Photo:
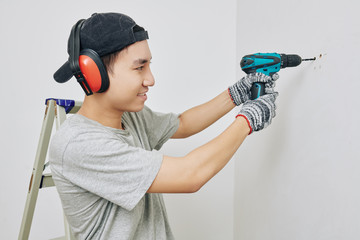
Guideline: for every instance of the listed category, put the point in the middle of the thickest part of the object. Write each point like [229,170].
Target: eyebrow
[140,61]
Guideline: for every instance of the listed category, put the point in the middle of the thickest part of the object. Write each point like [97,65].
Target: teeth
[141,94]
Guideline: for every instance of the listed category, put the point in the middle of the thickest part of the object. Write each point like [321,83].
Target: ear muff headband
[74,52]
[86,65]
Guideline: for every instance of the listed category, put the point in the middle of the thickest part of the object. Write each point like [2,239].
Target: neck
[94,109]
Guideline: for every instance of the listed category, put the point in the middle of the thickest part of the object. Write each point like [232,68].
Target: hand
[240,91]
[259,112]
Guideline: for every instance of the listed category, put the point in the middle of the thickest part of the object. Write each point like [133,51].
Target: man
[105,159]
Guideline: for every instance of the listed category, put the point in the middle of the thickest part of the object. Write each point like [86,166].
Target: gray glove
[240,91]
[259,112]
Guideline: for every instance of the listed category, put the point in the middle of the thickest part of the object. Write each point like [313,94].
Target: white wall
[299,179]
[193,45]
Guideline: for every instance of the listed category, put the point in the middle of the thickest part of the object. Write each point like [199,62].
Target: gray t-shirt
[102,175]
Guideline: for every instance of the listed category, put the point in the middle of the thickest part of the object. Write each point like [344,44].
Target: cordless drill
[268,63]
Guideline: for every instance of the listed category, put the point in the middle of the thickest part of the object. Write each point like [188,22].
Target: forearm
[200,117]
[210,158]
[191,172]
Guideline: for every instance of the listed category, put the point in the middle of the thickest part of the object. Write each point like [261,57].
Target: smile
[143,96]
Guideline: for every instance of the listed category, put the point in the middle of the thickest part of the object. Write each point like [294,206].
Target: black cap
[104,33]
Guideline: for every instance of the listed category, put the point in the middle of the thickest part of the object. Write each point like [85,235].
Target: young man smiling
[105,159]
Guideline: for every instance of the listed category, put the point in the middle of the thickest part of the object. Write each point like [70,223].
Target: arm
[200,117]
[188,174]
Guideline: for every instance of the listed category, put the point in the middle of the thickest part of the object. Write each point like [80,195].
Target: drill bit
[309,59]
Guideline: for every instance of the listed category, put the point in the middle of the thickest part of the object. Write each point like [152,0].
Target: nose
[149,79]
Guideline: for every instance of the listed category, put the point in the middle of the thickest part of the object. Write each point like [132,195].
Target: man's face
[131,78]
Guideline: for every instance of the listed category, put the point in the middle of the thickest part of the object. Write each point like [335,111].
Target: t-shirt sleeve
[160,126]
[110,168]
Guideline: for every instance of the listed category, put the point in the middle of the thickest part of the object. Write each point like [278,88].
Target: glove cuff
[232,99]
[247,120]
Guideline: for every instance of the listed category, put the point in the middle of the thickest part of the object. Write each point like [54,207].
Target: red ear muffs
[93,70]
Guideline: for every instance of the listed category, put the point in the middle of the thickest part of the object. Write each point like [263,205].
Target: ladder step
[46,181]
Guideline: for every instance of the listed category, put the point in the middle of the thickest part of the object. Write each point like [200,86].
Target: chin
[137,108]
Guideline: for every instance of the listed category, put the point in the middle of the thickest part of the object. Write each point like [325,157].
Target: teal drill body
[268,64]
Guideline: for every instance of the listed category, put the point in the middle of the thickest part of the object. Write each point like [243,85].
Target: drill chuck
[290,60]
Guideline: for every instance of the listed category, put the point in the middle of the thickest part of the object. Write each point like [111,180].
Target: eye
[139,68]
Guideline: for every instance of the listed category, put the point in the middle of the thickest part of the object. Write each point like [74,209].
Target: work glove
[240,91]
[259,112]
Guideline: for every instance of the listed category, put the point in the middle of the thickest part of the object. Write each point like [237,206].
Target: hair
[109,60]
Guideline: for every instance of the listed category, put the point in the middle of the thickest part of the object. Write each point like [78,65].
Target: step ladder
[56,109]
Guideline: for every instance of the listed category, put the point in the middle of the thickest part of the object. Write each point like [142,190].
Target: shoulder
[78,125]
[76,128]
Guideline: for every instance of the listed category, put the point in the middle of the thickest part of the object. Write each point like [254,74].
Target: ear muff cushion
[93,70]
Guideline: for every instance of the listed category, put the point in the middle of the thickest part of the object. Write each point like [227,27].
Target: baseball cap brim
[64,73]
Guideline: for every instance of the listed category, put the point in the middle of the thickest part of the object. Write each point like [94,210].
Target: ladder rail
[56,110]
[36,174]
